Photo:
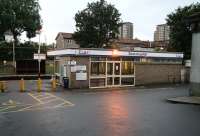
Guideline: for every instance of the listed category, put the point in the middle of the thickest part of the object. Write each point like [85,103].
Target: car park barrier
[22,85]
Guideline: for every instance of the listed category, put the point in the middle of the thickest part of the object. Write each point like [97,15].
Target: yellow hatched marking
[42,99]
[67,102]
[41,96]
[35,98]
[9,107]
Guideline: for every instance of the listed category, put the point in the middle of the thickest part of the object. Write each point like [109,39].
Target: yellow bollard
[22,85]
[39,85]
[53,84]
[0,86]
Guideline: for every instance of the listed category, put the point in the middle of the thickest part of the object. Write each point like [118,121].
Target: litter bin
[66,82]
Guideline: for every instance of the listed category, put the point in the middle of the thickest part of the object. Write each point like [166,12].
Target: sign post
[39,57]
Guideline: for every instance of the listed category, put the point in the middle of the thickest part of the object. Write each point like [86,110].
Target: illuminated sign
[84,52]
[142,54]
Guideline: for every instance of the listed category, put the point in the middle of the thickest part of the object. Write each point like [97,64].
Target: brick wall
[157,73]
[80,84]
[60,43]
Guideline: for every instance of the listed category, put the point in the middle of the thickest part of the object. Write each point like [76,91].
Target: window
[98,68]
[127,80]
[100,82]
[127,68]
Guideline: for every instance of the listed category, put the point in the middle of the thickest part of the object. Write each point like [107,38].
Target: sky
[58,15]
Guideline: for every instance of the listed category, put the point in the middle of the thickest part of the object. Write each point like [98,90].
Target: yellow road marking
[35,97]
[9,107]
[32,106]
[42,99]
[41,96]
[36,106]
[68,102]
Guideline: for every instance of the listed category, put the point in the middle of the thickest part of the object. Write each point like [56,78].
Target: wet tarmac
[125,112]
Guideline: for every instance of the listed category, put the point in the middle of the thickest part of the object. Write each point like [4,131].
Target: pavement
[115,112]
[186,100]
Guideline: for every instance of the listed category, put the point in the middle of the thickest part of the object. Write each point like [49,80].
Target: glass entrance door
[113,73]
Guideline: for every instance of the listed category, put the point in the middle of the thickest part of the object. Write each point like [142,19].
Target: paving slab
[186,100]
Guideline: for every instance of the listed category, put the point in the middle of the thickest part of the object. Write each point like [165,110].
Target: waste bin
[66,82]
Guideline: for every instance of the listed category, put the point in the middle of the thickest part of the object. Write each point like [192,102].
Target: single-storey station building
[103,68]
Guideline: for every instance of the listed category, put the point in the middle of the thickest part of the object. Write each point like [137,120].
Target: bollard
[2,86]
[22,85]
[39,85]
[53,82]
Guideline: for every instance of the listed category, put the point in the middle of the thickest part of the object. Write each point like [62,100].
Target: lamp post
[194,22]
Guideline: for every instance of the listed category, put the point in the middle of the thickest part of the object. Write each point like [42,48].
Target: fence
[7,70]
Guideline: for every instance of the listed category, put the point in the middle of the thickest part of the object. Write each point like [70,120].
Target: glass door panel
[113,73]
[109,68]
[116,80]
[109,81]
[117,69]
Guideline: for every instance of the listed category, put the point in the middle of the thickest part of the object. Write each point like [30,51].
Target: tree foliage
[24,51]
[180,33]
[18,16]
[96,25]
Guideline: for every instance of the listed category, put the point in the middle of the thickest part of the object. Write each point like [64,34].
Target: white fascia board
[85,52]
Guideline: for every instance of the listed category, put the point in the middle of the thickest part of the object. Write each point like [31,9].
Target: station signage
[83,52]
[37,56]
[139,54]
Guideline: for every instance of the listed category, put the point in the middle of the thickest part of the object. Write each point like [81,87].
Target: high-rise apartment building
[162,33]
[126,30]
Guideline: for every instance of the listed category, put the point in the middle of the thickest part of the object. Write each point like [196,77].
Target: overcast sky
[58,15]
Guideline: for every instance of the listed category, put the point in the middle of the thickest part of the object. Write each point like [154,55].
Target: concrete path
[186,100]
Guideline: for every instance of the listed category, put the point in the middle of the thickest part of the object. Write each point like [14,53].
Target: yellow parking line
[9,107]
[35,105]
[35,98]
[42,99]
[68,102]
[62,104]
[41,96]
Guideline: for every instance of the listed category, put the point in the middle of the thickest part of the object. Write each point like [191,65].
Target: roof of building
[132,42]
[109,52]
[64,35]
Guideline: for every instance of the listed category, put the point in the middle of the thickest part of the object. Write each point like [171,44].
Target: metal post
[14,54]
[39,58]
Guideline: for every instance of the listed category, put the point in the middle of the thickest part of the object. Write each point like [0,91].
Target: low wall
[157,73]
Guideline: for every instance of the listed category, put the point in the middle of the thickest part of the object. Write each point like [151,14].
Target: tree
[180,33]
[18,16]
[24,51]
[96,25]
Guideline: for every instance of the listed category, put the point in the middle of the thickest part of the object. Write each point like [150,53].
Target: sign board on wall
[78,68]
[81,76]
[81,67]
[73,68]
[39,56]
[71,62]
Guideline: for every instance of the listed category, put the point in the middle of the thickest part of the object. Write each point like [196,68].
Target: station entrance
[113,73]
[109,72]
